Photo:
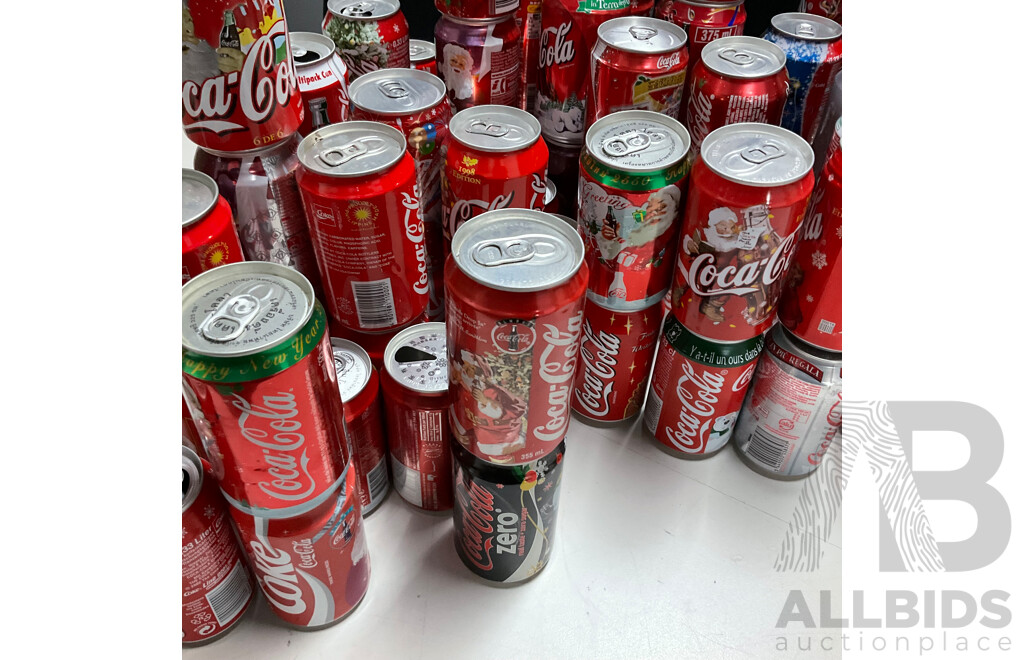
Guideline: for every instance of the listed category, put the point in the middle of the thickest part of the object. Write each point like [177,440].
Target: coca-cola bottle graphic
[618,286]
[229,33]
[513,340]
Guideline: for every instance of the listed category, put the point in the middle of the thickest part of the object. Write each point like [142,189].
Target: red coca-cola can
[828,8]
[738,79]
[479,60]
[373,343]
[638,63]
[515,286]
[748,192]
[697,390]
[208,236]
[216,586]
[476,8]
[496,160]
[703,20]
[415,386]
[359,386]
[258,376]
[423,55]
[323,80]
[359,189]
[369,34]
[616,355]
[528,20]
[238,86]
[313,569]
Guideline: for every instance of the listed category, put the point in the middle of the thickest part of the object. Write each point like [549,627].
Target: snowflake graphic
[183,532]
[209,511]
[396,28]
[548,486]
[839,232]
[810,298]
[818,259]
[542,468]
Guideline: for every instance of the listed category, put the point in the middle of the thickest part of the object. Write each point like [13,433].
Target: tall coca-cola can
[415,387]
[479,60]
[258,376]
[323,80]
[814,55]
[632,184]
[208,236]
[476,8]
[516,283]
[314,568]
[638,63]
[828,8]
[528,20]
[369,34]
[423,55]
[704,21]
[697,390]
[216,586]
[748,193]
[496,160]
[359,386]
[358,186]
[238,86]
[794,409]
[505,515]
[738,79]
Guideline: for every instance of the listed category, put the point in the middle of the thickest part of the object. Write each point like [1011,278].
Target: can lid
[757,154]
[638,141]
[640,34]
[362,10]
[309,48]
[198,196]
[352,148]
[496,128]
[243,308]
[396,91]
[421,51]
[743,57]
[191,477]
[808,27]
[518,250]
[353,366]
[417,358]
[550,191]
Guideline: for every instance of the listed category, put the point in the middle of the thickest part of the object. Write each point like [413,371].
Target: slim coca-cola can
[208,235]
[516,284]
[633,173]
[476,8]
[704,20]
[239,90]
[638,63]
[794,409]
[323,80]
[359,189]
[814,55]
[505,515]
[314,568]
[616,355]
[369,34]
[748,193]
[528,20]
[423,55]
[415,386]
[828,8]
[479,60]
[359,387]
[738,79]
[216,586]
[258,376]
[496,160]
[697,390]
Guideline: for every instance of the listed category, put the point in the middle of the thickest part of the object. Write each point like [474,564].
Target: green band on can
[634,181]
[709,353]
[587,6]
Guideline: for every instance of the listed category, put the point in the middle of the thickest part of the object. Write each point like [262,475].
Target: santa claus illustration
[457,71]
[486,411]
[199,60]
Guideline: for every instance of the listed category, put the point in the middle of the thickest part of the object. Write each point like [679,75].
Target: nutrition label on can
[215,584]
[505,76]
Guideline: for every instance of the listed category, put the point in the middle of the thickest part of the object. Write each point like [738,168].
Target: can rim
[646,21]
[207,181]
[714,3]
[469,114]
[193,467]
[415,330]
[335,7]
[361,354]
[492,20]
[707,54]
[776,131]
[310,37]
[806,349]
[779,20]
[369,78]
[258,152]
[636,115]
[303,151]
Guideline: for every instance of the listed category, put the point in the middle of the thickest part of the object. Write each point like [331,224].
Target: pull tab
[335,156]
[510,251]
[762,154]
[627,143]
[481,127]
[806,30]
[229,321]
[642,33]
[360,9]
[737,57]
[393,89]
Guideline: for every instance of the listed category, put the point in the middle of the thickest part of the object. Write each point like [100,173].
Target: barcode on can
[768,450]
[375,304]
[652,411]
[229,597]
[377,481]
[826,326]
[502,6]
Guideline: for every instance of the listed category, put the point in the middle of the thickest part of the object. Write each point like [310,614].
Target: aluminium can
[476,8]
[828,8]
[479,60]
[528,20]
[369,34]
[423,55]
[323,80]
[703,20]
[208,235]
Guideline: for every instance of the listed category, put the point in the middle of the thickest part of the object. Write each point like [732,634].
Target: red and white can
[496,160]
[323,80]
[216,586]
[369,34]
[697,390]
[208,236]
[314,569]
[423,55]
[528,20]
[476,8]
[415,386]
[479,60]
[703,20]
[359,387]
[515,286]
[237,94]
[359,189]
[748,194]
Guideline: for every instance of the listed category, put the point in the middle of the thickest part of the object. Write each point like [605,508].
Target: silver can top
[743,57]
[638,141]
[352,148]
[421,51]
[363,10]
[396,91]
[495,128]
[550,191]
[198,196]
[353,367]
[192,476]
[309,48]
[640,34]
[243,308]
[417,358]
[758,155]
[808,27]
[517,250]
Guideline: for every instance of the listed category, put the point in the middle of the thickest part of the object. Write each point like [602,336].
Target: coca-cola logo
[557,369]
[271,427]
[705,278]
[698,395]
[811,229]
[278,578]
[554,47]
[540,190]
[513,336]
[834,419]
[698,116]
[668,61]
[464,209]
[476,535]
[414,231]
[600,357]
[307,555]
